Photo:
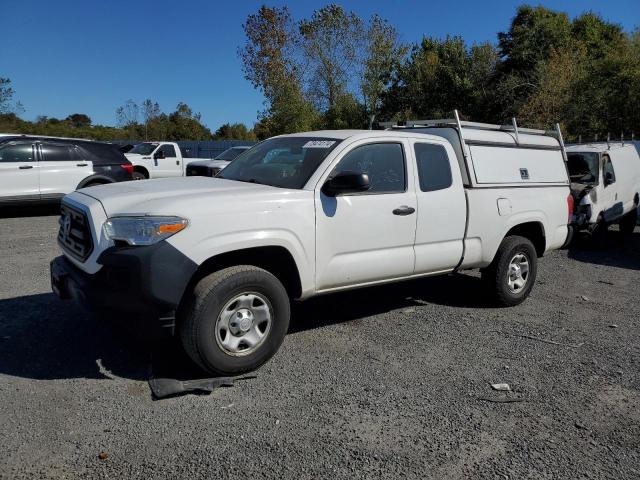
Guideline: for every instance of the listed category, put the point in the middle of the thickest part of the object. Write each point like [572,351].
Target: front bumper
[149,280]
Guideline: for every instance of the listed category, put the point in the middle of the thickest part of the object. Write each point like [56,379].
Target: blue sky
[90,56]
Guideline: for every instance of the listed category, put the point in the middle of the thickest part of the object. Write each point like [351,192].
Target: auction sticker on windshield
[319,144]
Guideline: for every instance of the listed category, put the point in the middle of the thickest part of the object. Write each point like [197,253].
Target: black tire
[496,275]
[197,322]
[138,176]
[628,222]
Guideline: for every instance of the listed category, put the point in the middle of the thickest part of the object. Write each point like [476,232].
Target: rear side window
[168,150]
[20,152]
[382,162]
[434,168]
[57,153]
[102,153]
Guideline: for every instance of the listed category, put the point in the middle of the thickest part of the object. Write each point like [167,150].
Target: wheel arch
[275,259]
[97,179]
[142,170]
[534,231]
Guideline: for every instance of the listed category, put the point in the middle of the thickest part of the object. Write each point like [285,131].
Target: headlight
[142,230]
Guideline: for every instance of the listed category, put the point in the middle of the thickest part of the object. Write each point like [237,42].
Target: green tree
[6,98]
[78,120]
[332,42]
[269,63]
[384,53]
[234,131]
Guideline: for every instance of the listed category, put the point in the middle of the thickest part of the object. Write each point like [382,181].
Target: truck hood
[178,196]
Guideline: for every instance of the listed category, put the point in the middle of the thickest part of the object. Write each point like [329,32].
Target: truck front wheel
[235,320]
[511,275]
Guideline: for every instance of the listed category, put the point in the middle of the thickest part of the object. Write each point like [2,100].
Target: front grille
[74,234]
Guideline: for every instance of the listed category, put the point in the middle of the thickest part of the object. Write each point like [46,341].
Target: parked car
[313,213]
[158,160]
[44,169]
[209,168]
[605,183]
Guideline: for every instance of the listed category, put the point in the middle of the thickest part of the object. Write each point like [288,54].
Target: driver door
[369,236]
[166,161]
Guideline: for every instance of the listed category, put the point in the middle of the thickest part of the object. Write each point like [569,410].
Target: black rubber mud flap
[170,387]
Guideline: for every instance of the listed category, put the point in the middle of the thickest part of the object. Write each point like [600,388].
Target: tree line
[144,121]
[337,70]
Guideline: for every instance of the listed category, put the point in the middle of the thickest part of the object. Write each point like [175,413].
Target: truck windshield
[285,162]
[230,153]
[583,167]
[143,148]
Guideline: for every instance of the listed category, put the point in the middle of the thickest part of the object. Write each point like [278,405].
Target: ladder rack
[462,125]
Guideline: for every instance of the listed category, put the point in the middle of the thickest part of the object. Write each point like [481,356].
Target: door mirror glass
[158,155]
[346,182]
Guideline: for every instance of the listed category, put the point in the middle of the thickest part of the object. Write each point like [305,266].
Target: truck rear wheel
[511,275]
[235,320]
[628,222]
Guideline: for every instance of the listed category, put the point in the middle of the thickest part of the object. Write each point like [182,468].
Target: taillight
[128,167]
[570,206]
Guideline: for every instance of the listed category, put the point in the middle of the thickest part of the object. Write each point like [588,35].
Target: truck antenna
[608,141]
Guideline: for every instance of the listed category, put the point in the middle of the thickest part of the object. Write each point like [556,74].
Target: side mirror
[346,182]
[608,178]
[158,155]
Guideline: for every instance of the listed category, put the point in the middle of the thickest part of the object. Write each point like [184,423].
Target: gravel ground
[383,382]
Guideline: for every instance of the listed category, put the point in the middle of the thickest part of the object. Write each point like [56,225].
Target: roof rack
[460,125]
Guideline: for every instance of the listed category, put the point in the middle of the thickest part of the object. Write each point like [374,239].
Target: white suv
[42,169]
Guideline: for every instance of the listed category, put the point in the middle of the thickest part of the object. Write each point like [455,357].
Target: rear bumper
[145,280]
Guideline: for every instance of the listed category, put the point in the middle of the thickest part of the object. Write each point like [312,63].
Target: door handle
[404,210]
[81,164]
[25,167]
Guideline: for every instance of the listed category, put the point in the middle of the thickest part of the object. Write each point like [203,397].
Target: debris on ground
[170,387]
[585,298]
[103,455]
[501,387]
[613,325]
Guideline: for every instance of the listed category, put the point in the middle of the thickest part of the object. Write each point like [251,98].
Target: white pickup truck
[313,213]
[158,160]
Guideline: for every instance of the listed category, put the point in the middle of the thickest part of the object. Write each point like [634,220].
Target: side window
[57,153]
[382,162]
[434,168]
[168,150]
[607,168]
[17,152]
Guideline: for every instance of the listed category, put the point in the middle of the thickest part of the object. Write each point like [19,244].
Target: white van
[605,183]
